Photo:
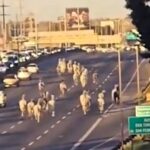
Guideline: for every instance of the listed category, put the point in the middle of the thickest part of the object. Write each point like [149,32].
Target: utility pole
[3,6]
[20,18]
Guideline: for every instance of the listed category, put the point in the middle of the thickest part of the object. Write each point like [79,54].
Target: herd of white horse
[46,103]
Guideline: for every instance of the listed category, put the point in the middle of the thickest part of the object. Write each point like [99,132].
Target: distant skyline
[52,9]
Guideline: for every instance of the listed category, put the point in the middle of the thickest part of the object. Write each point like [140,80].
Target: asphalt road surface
[70,129]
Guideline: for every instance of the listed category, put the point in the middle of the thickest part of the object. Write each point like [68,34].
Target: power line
[3,6]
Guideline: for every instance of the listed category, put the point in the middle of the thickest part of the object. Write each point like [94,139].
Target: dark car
[10,65]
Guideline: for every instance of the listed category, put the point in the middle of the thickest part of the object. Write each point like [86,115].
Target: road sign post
[142,111]
[139,125]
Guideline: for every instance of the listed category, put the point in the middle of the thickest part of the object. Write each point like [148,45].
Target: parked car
[3,68]
[10,65]
[2,99]
[23,74]
[33,68]
[34,55]
[22,58]
[27,57]
[11,80]
[14,58]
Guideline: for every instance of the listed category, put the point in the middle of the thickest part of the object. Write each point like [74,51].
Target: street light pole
[119,69]
[137,70]
[20,18]
[137,49]
[120,95]
[3,6]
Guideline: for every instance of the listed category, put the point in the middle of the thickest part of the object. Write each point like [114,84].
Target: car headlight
[16,61]
[11,65]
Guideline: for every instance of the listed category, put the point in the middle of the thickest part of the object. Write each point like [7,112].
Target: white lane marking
[64,117]
[124,109]
[105,80]
[94,148]
[106,111]
[90,130]
[74,109]
[93,92]
[86,134]
[58,122]
[106,141]
[39,137]
[31,143]
[52,126]
[105,115]
[132,78]
[46,131]
[19,122]
[69,113]
[23,148]
[12,126]
[78,106]
[100,86]
[4,132]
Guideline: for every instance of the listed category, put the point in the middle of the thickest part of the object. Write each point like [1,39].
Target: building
[106,26]
[82,37]
[102,32]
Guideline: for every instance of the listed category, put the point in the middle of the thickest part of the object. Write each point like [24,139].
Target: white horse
[101,104]
[76,79]
[37,112]
[63,88]
[30,107]
[51,105]
[70,67]
[85,102]
[23,106]
[83,80]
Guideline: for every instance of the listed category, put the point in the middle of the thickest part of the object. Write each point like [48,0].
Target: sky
[51,9]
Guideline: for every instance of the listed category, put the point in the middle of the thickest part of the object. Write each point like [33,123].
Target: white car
[2,99]
[33,68]
[23,74]
[3,68]
[11,80]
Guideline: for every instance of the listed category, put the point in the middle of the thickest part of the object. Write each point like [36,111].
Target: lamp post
[137,44]
[119,70]
[20,17]
[120,95]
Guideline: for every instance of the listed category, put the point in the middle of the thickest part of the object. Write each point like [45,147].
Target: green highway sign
[139,125]
[142,111]
[131,36]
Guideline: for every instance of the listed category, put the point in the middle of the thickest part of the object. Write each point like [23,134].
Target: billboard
[77,18]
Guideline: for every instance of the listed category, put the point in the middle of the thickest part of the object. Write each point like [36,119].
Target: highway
[70,129]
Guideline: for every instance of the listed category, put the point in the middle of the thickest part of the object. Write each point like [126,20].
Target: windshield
[32,65]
